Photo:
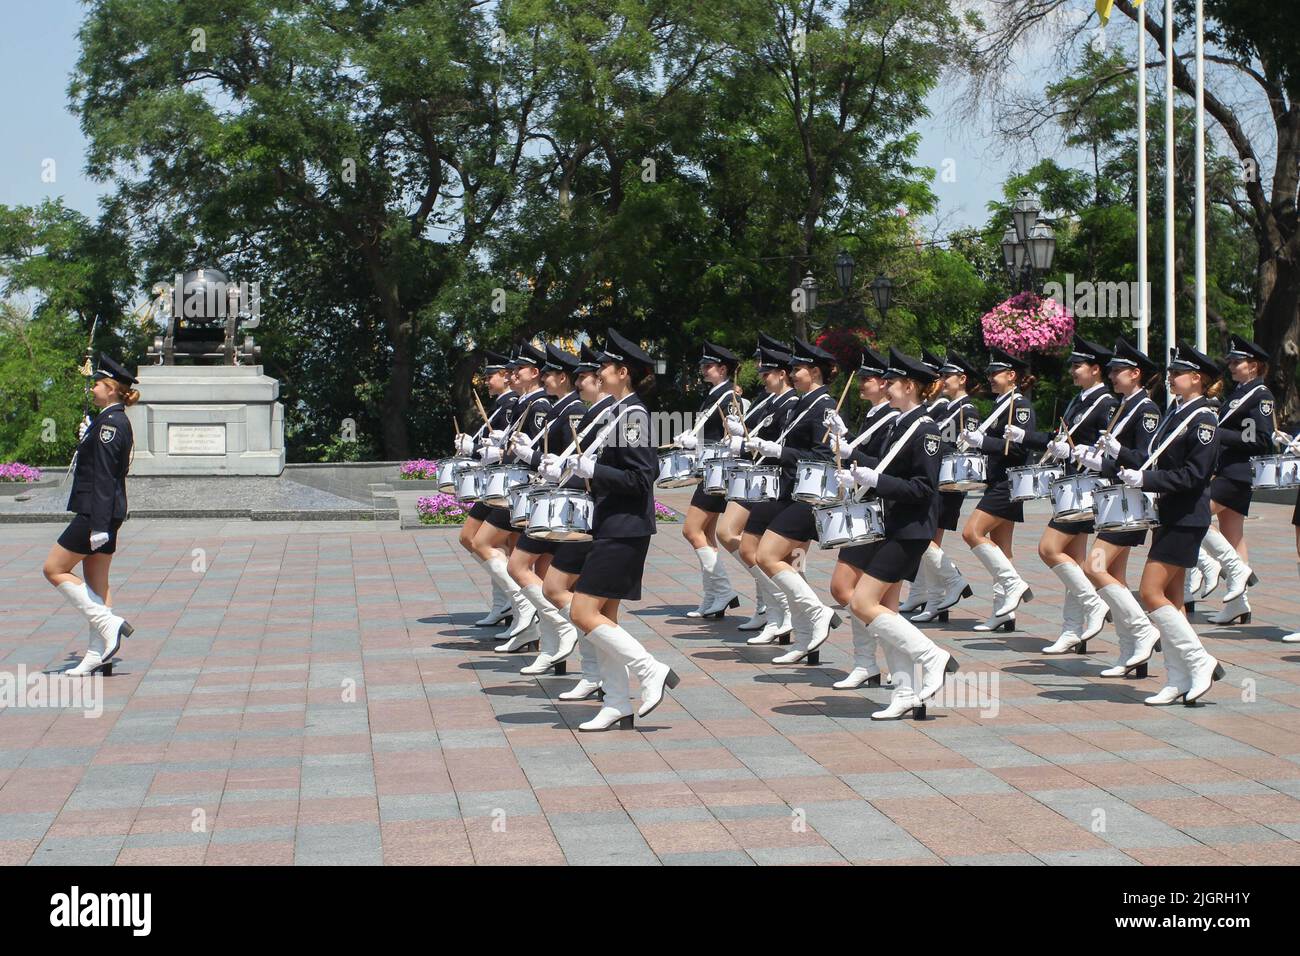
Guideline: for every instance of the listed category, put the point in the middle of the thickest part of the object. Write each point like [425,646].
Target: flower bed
[18,472]
[664,513]
[441,509]
[419,469]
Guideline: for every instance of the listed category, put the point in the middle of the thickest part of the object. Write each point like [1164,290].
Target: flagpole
[1144,297]
[1171,326]
[1200,176]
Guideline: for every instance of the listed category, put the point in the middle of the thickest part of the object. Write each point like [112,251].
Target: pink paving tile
[161,856]
[249,854]
[688,837]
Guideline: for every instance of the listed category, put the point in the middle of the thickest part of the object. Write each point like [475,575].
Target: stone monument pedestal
[207,420]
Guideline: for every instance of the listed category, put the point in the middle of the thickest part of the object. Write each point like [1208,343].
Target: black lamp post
[1028,245]
[844,271]
[882,291]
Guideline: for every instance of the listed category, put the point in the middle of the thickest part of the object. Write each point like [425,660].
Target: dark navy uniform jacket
[807,439]
[994,442]
[626,469]
[564,413]
[958,414]
[1138,421]
[872,449]
[534,408]
[499,416]
[99,478]
[1245,429]
[596,411]
[713,428]
[910,482]
[1086,416]
[1181,475]
[767,418]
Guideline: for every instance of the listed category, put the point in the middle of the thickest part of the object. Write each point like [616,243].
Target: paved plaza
[313,693]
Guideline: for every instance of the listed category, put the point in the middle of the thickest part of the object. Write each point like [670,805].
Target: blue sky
[38,48]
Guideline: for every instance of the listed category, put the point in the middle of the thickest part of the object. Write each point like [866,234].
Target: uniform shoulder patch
[765,422]
[539,419]
[1266,407]
[632,427]
[1022,415]
[931,445]
[107,433]
[1150,421]
[1205,433]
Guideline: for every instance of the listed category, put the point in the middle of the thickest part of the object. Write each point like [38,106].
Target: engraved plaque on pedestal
[196,440]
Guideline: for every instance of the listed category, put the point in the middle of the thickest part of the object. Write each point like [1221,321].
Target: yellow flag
[1103,10]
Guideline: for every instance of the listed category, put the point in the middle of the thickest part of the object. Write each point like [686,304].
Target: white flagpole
[1171,327]
[1200,176]
[1144,296]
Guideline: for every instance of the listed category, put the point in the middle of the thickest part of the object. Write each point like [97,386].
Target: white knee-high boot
[654,676]
[556,636]
[917,659]
[108,629]
[779,622]
[921,591]
[1137,636]
[501,608]
[718,592]
[1237,575]
[1084,614]
[812,619]
[523,631]
[866,669]
[1293,638]
[616,704]
[1191,669]
[758,620]
[589,683]
[1014,588]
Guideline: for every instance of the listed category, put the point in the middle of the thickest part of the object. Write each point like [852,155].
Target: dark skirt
[613,568]
[1295,515]
[1073,527]
[500,518]
[76,536]
[1123,539]
[570,556]
[479,511]
[796,522]
[890,560]
[950,503]
[713,504]
[536,545]
[761,514]
[1232,494]
[997,502]
[1177,546]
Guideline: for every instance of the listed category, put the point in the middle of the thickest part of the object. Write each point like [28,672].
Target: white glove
[464,444]
[496,435]
[550,467]
[1131,477]
[845,478]
[866,477]
[734,425]
[836,424]
[840,447]
[1280,439]
[1060,450]
[972,438]
[98,540]
[522,445]
[81,429]
[768,449]
[736,444]
[584,466]
[1091,460]
[491,454]
[1111,446]
[1014,432]
[686,440]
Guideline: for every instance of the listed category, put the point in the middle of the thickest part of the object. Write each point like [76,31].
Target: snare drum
[447,473]
[850,522]
[964,471]
[498,482]
[1121,508]
[1275,471]
[713,475]
[676,469]
[560,514]
[710,451]
[817,482]
[1072,497]
[470,481]
[1033,481]
[520,505]
[748,481]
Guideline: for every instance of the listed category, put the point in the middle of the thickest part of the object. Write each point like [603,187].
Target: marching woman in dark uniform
[717,366]
[906,479]
[529,416]
[990,530]
[1128,441]
[622,472]
[765,420]
[1186,445]
[789,524]
[496,369]
[1245,430]
[570,556]
[867,448]
[531,559]
[920,592]
[944,584]
[1288,445]
[1064,544]
[98,500]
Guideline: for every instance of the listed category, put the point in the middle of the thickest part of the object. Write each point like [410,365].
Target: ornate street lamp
[1024,213]
[809,286]
[844,271]
[1042,247]
[882,291]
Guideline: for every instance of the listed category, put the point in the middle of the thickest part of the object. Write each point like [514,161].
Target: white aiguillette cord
[895,448]
[594,447]
[780,438]
[998,408]
[1169,439]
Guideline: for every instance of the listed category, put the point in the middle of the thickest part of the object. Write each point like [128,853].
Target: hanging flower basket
[1028,322]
